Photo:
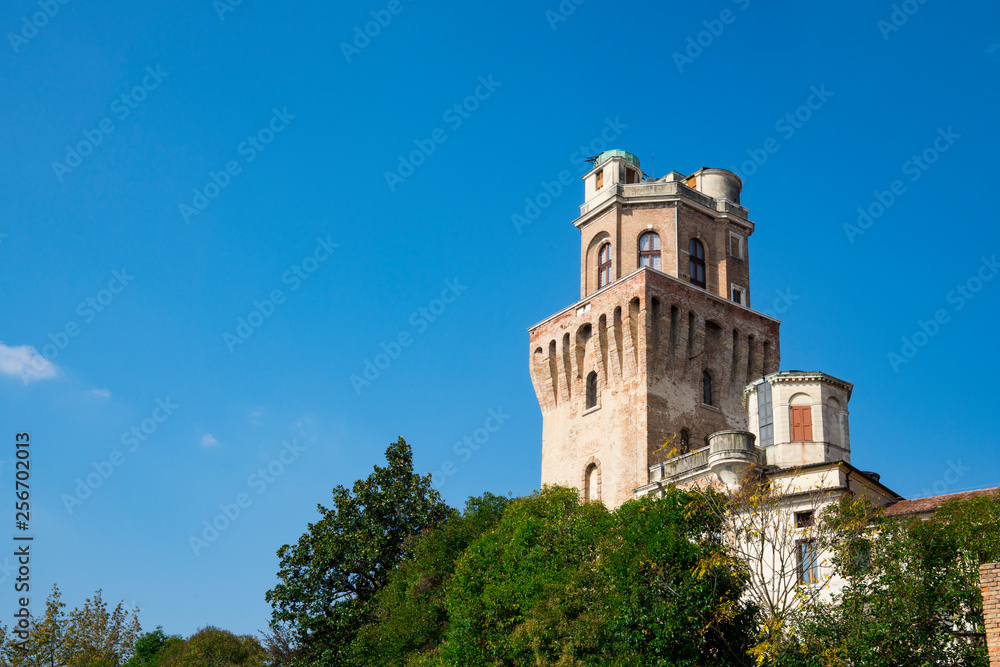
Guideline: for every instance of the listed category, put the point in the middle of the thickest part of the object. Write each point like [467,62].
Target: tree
[212,647]
[678,594]
[282,645]
[95,636]
[410,615]
[45,641]
[328,578]
[90,636]
[912,593]
[765,518]
[558,582]
[149,647]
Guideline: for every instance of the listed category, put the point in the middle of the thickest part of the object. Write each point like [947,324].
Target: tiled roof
[918,505]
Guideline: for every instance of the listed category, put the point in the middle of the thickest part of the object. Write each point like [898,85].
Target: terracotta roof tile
[918,505]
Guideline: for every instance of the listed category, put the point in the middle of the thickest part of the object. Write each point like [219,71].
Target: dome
[607,155]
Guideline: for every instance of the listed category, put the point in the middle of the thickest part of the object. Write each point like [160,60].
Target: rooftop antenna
[653,175]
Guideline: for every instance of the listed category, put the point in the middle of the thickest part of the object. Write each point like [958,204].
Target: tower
[663,340]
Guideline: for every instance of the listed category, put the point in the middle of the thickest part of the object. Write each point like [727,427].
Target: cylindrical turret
[730,453]
[720,184]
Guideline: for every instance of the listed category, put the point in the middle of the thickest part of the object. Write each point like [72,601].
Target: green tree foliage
[912,592]
[557,582]
[212,647]
[390,576]
[89,636]
[150,646]
[410,615]
[675,594]
[327,580]
[520,589]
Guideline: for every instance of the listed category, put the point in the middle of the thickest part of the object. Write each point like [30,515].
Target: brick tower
[663,340]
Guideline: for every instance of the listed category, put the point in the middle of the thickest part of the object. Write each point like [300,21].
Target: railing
[681,464]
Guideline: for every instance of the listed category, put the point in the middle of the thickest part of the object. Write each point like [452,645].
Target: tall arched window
[592,483]
[706,388]
[592,390]
[649,250]
[696,270]
[684,446]
[800,419]
[604,265]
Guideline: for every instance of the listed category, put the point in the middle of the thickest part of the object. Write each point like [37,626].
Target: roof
[802,376]
[931,503]
[868,481]
[616,152]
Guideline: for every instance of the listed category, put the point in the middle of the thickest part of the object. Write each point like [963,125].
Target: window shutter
[765,417]
[801,423]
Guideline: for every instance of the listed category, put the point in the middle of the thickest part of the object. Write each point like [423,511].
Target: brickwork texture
[989,581]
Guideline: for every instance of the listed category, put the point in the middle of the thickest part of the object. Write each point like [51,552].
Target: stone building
[663,373]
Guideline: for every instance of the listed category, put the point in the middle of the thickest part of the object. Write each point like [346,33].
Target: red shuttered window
[802,426]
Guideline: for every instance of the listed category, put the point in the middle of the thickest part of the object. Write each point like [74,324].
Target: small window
[696,269]
[739,295]
[805,519]
[684,446]
[631,176]
[736,245]
[592,483]
[801,418]
[600,180]
[806,561]
[649,250]
[592,390]
[604,265]
[706,388]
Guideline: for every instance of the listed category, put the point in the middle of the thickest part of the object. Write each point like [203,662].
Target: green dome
[607,155]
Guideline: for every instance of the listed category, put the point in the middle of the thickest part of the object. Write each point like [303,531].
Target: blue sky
[243,177]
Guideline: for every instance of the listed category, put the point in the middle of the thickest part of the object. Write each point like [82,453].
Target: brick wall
[989,579]
[648,339]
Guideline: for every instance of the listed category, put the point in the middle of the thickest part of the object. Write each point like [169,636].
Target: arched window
[592,483]
[696,270]
[604,265]
[684,446]
[706,388]
[649,250]
[592,390]
[800,417]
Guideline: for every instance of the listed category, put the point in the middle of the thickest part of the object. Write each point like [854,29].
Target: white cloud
[100,393]
[208,440]
[24,362]
[255,416]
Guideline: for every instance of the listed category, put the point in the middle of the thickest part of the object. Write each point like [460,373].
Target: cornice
[711,295]
[619,198]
